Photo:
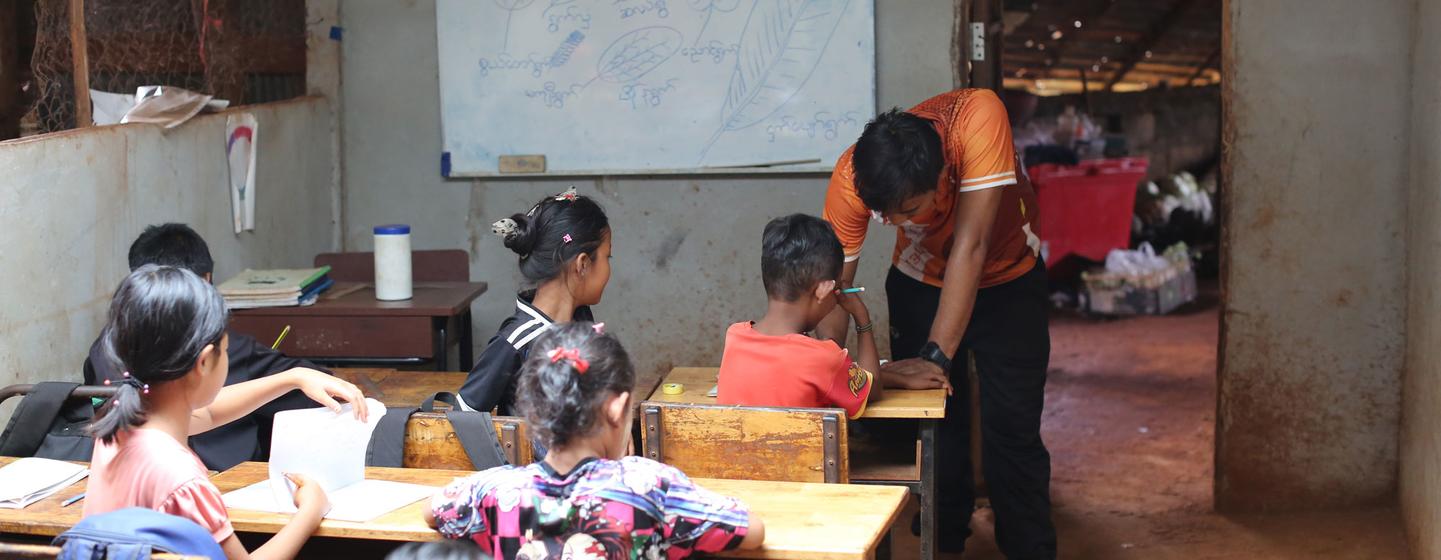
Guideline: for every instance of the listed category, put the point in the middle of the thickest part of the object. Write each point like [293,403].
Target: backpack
[50,424]
[475,430]
[133,534]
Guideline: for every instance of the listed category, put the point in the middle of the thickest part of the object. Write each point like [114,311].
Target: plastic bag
[1139,262]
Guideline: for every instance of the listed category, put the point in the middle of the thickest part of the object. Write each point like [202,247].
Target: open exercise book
[329,448]
[32,479]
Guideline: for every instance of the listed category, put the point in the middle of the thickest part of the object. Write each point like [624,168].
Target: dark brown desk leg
[442,340]
[467,343]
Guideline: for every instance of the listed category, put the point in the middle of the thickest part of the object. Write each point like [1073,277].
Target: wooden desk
[396,388]
[895,403]
[850,525]
[927,406]
[348,325]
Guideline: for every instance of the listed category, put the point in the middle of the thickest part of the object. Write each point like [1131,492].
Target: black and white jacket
[491,382]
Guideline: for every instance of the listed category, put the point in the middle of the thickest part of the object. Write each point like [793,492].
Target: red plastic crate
[1086,209]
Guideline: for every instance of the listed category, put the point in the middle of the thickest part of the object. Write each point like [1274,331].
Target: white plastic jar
[392,262]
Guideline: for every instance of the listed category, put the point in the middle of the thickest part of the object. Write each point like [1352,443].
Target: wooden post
[987,73]
[960,45]
[80,56]
[10,109]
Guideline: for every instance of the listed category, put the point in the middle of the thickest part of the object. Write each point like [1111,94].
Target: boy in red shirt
[773,362]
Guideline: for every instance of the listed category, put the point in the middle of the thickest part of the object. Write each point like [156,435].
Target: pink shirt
[148,468]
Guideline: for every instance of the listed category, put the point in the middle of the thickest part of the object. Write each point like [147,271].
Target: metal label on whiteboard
[522,164]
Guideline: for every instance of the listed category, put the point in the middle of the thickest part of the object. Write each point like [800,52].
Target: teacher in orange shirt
[965,275]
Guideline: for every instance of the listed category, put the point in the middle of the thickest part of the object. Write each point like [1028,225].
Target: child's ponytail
[161,319]
[571,370]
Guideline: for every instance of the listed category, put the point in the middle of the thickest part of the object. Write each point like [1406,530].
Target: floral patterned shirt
[634,508]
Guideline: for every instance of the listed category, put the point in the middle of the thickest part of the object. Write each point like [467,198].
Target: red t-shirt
[792,371]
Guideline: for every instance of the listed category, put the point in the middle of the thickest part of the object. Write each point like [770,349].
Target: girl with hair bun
[563,244]
[586,499]
[167,333]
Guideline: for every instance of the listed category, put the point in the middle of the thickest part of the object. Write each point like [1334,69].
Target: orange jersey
[976,141]
[794,370]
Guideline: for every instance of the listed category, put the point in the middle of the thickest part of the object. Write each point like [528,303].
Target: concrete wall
[1421,394]
[687,249]
[1312,345]
[72,202]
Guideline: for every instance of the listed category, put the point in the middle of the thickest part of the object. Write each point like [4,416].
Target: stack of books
[276,288]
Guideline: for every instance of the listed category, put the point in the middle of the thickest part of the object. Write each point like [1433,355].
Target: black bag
[50,424]
[475,430]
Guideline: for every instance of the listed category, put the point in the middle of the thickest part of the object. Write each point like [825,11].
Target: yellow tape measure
[672,388]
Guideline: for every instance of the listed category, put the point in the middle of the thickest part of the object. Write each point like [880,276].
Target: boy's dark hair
[172,245]
[445,549]
[897,157]
[161,318]
[558,401]
[797,252]
[539,235]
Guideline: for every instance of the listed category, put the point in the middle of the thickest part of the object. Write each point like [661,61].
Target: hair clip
[580,364]
[569,194]
[565,238]
[599,328]
[506,228]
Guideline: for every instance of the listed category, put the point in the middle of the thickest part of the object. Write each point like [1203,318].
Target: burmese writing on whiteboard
[632,8]
[644,95]
[824,123]
[716,51]
[572,14]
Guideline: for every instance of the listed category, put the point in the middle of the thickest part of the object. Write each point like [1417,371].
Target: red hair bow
[571,354]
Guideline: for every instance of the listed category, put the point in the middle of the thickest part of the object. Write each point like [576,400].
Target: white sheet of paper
[32,479]
[326,446]
[359,502]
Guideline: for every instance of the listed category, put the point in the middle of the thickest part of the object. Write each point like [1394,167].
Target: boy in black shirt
[246,439]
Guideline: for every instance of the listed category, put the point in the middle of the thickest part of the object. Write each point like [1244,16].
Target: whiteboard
[652,86]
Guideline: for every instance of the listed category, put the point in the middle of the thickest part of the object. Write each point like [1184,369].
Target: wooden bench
[430,442]
[748,443]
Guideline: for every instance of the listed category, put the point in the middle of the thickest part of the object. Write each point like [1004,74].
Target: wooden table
[395,388]
[927,406]
[850,525]
[349,326]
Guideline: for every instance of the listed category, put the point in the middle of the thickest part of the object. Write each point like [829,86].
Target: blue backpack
[133,534]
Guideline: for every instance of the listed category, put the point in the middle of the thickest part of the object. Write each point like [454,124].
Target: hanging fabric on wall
[240,129]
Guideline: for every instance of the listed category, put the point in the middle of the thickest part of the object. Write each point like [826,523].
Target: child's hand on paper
[324,389]
[308,494]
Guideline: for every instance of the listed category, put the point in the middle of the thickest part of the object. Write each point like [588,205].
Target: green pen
[855,290]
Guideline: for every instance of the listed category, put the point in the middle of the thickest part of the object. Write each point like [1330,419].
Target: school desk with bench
[693,385]
[814,521]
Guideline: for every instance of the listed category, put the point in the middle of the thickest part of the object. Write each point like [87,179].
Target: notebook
[279,282]
[32,479]
[329,448]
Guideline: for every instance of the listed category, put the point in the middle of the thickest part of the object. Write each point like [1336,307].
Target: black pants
[1009,335]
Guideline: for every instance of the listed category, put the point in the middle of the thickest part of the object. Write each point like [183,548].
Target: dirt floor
[1130,416]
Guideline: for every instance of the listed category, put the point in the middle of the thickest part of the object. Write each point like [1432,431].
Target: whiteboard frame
[816,169]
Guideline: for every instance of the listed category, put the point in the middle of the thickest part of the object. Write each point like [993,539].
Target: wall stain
[668,248]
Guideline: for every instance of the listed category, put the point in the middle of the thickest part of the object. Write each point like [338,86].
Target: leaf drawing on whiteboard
[781,45]
[710,7]
[637,53]
[510,7]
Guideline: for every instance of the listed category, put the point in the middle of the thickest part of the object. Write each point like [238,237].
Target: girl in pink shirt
[167,332]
